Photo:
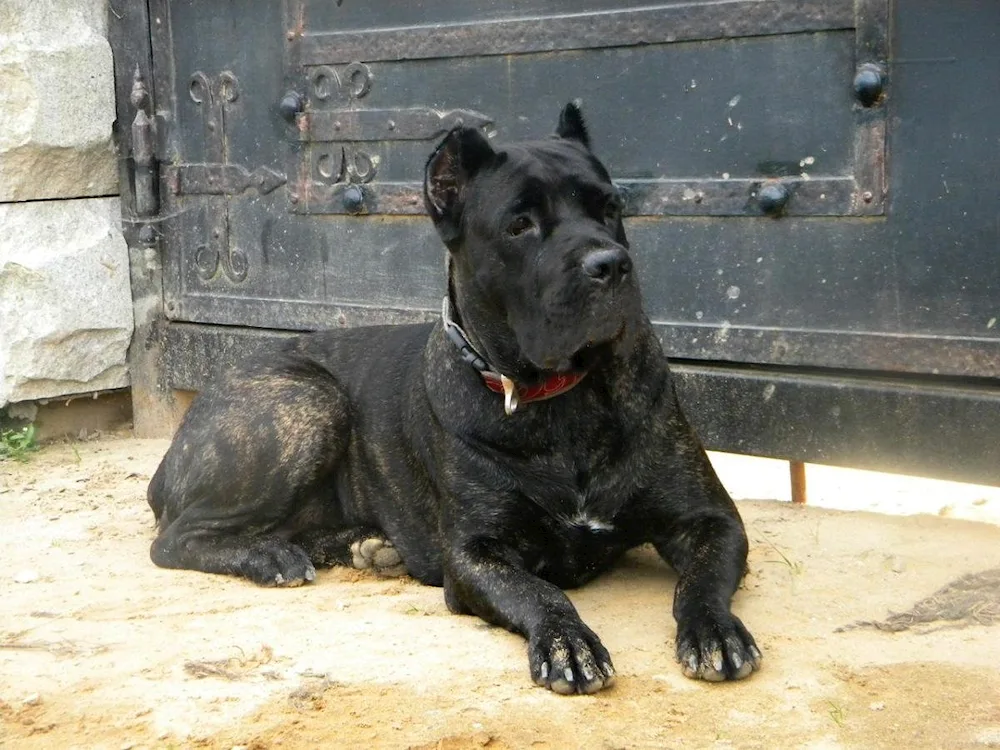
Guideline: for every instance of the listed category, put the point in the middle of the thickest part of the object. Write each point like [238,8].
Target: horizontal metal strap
[585,30]
[817,196]
[413,124]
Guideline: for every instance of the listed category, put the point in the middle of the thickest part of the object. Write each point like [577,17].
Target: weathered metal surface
[577,30]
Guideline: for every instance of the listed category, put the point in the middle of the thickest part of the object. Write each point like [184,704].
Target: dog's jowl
[515,448]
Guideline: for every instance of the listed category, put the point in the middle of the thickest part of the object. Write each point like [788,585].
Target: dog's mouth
[590,355]
[585,358]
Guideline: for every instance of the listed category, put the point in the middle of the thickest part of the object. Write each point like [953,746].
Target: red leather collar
[525,394]
[514,394]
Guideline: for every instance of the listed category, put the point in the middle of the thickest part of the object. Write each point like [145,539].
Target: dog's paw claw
[567,658]
[376,554]
[717,648]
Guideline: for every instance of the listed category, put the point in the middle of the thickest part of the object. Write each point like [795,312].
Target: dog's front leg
[709,553]
[487,578]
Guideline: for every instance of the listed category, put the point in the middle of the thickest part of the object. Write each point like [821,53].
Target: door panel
[810,188]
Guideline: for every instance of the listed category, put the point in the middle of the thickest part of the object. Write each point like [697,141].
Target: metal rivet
[147,235]
[289,35]
[291,104]
[772,198]
[353,199]
[391,124]
[868,84]
[867,196]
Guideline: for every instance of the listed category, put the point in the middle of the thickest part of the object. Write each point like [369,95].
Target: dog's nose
[609,265]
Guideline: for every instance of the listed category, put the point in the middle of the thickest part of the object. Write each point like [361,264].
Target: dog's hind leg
[251,464]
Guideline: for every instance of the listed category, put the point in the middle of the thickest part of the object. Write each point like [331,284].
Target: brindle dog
[516,448]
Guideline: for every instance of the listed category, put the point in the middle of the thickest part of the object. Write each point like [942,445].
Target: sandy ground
[99,648]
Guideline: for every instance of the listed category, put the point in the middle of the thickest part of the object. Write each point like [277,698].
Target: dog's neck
[473,351]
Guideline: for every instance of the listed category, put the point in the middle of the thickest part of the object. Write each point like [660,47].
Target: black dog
[379,446]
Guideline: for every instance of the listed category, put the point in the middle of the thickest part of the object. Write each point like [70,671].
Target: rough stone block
[65,301]
[56,100]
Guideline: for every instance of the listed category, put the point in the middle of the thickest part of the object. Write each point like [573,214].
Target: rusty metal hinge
[144,149]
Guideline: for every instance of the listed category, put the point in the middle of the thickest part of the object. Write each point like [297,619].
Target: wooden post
[797,473]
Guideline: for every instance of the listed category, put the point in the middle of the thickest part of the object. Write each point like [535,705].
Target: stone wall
[65,304]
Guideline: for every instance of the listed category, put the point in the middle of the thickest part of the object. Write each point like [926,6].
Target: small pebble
[896,563]
[878,706]
[32,700]
[26,576]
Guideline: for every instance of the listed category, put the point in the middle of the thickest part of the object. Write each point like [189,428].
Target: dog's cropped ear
[462,153]
[571,124]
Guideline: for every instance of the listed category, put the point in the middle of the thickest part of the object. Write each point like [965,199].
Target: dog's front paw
[277,563]
[567,657]
[716,647]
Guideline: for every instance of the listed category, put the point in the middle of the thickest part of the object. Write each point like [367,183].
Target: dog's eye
[519,226]
[612,211]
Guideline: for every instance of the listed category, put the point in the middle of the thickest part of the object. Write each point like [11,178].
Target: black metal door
[812,197]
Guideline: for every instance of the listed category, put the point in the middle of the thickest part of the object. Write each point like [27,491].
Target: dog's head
[541,272]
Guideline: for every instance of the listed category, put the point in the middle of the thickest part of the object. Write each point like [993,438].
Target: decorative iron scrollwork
[348,164]
[214,96]
[354,81]
[219,252]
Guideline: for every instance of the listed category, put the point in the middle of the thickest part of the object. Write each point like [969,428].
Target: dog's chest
[574,550]
[580,494]
[577,538]
[589,522]
[575,488]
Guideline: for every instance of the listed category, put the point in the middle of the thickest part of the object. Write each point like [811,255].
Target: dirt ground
[99,648]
